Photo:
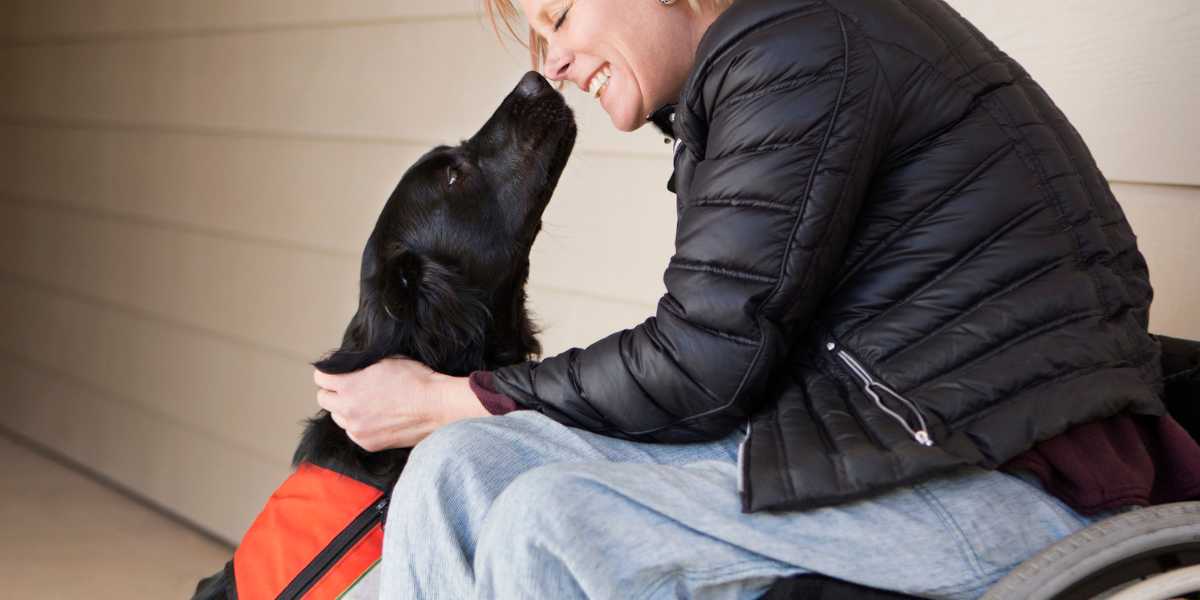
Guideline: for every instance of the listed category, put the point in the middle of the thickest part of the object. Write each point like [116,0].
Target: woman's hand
[395,402]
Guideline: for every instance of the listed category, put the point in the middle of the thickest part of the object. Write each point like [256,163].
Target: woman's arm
[779,153]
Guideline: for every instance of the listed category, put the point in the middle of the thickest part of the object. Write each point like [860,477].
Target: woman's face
[632,56]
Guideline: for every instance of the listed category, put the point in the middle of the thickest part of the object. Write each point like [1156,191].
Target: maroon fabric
[1094,467]
[495,402]
[1122,460]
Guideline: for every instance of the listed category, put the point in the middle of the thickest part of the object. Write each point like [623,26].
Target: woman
[897,268]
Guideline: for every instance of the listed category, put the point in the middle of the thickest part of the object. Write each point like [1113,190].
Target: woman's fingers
[330,401]
[328,381]
[388,404]
[338,419]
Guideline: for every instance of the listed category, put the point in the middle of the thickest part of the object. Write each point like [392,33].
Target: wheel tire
[1103,544]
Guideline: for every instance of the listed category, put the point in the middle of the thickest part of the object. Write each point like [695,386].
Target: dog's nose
[533,84]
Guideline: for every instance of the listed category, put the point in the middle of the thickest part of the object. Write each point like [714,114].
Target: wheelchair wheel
[1108,556]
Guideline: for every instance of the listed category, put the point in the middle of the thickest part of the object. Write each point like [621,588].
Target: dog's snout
[533,84]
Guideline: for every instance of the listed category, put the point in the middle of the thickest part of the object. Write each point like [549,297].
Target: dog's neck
[512,336]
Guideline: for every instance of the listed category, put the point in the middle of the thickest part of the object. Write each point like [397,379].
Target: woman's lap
[529,507]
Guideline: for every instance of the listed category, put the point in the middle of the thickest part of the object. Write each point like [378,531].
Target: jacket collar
[729,26]
[664,120]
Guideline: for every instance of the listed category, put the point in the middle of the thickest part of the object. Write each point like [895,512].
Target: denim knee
[449,455]
[539,509]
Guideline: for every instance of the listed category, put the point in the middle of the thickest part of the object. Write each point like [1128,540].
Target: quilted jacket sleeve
[781,131]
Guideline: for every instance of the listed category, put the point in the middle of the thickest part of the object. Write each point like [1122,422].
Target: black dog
[443,273]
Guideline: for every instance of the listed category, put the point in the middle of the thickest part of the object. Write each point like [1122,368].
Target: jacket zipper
[870,384]
[330,555]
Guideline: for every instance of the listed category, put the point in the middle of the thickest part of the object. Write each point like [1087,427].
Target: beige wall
[185,188]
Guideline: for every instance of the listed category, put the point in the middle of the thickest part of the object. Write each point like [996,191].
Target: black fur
[443,273]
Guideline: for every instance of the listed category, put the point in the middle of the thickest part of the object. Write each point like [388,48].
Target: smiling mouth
[599,80]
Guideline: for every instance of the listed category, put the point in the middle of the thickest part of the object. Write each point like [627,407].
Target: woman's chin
[625,120]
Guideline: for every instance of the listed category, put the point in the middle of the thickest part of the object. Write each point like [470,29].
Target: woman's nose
[558,61]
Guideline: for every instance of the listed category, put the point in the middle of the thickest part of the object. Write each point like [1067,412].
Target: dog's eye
[452,175]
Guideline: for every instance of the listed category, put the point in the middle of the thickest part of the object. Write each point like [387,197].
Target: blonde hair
[506,11]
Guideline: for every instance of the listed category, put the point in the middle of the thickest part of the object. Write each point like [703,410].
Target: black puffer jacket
[893,252]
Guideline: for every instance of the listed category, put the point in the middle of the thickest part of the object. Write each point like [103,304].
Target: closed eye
[561,18]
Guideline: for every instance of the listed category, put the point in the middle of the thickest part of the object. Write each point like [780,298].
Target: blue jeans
[521,506]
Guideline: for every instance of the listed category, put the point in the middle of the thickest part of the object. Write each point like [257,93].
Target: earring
[666,2]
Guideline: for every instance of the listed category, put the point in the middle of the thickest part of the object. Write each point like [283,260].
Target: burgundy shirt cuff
[495,402]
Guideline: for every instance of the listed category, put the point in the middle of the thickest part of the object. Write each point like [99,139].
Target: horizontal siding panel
[552,312]
[203,480]
[296,304]
[292,303]
[185,189]
[202,426]
[370,81]
[1124,73]
[1120,86]
[324,195]
[237,395]
[609,232]
[1165,220]
[56,19]
[604,235]
[570,320]
[593,321]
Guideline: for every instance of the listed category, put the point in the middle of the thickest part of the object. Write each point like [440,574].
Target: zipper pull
[921,434]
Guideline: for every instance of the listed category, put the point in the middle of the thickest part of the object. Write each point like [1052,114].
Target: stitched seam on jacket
[573,378]
[735,202]
[1124,338]
[762,148]
[1045,327]
[883,74]
[716,54]
[834,458]
[1035,273]
[944,272]
[803,204]
[796,223]
[1064,375]
[790,83]
[642,389]
[714,332]
[823,435]
[1026,156]
[679,369]
[703,267]
[902,154]
[952,192]
[1031,160]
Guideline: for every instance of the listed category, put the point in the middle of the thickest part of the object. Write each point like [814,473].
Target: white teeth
[599,81]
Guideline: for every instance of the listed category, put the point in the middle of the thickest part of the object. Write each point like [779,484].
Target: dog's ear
[420,307]
[398,281]
[446,318]
[381,324]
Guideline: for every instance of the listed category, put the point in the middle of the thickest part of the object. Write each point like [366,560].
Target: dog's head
[443,272]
